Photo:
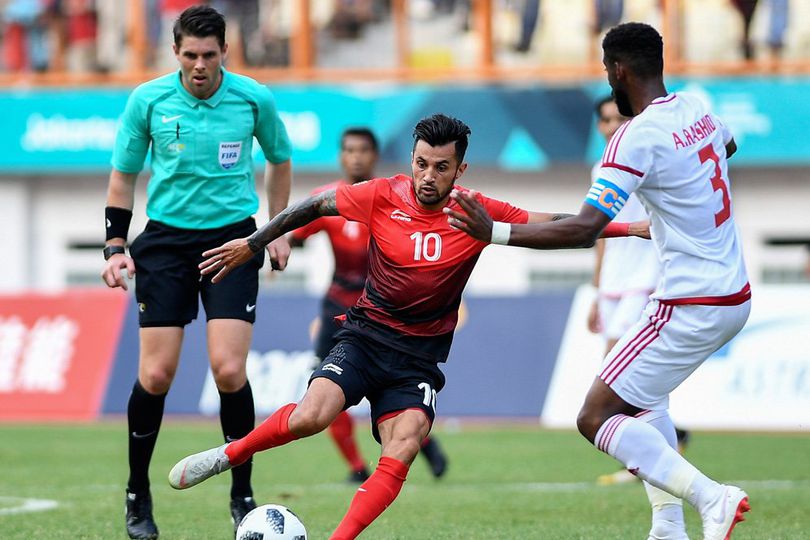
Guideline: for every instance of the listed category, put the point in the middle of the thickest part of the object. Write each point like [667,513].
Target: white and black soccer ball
[271,522]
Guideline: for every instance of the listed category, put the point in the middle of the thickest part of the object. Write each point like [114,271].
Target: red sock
[273,432]
[342,432]
[372,498]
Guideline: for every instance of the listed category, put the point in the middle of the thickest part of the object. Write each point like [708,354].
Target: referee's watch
[109,251]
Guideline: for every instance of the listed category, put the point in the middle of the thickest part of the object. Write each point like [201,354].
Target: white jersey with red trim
[673,156]
[629,265]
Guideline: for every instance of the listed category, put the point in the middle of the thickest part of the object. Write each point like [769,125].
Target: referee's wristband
[501,232]
[117,220]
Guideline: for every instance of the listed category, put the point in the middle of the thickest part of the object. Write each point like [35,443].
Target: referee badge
[229,153]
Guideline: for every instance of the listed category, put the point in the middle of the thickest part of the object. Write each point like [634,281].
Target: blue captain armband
[607,197]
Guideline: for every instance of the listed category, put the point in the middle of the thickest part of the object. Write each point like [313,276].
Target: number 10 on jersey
[426,246]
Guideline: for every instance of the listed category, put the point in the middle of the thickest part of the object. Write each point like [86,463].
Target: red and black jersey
[418,264]
[349,240]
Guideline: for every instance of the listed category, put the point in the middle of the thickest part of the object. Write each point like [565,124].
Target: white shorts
[618,314]
[665,347]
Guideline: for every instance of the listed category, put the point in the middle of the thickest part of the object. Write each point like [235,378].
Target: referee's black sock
[144,412]
[238,416]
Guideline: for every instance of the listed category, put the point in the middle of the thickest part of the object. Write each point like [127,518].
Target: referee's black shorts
[168,282]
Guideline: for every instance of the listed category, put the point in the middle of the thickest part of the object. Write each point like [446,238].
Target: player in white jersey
[673,155]
[623,290]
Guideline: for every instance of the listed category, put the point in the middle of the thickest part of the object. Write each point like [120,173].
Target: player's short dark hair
[360,132]
[597,108]
[200,22]
[637,45]
[438,130]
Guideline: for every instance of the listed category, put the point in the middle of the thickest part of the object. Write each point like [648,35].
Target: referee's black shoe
[140,523]
[435,457]
[240,506]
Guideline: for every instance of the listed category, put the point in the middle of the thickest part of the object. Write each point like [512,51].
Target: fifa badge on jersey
[229,153]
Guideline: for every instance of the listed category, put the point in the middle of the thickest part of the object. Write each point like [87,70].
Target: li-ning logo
[332,367]
[400,215]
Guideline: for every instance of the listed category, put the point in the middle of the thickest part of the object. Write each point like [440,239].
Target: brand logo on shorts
[400,215]
[250,308]
[141,307]
[332,367]
[229,153]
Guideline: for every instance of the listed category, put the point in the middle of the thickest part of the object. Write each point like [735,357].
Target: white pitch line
[23,506]
[549,487]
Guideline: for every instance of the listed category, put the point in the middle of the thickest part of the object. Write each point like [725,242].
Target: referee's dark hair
[637,45]
[200,22]
[360,132]
[438,130]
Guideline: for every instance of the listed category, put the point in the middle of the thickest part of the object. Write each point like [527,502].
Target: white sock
[643,450]
[667,510]
[661,421]
[667,514]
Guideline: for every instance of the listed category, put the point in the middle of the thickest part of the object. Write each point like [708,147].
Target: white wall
[40,217]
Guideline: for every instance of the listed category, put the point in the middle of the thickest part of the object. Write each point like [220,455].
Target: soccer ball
[271,522]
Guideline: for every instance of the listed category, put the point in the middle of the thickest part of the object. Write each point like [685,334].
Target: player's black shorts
[392,380]
[326,335]
[167,279]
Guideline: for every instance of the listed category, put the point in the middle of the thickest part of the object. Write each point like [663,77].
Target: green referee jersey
[202,170]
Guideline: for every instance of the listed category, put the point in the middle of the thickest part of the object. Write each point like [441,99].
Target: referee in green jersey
[200,122]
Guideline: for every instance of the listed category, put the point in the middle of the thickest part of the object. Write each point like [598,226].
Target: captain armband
[606,197]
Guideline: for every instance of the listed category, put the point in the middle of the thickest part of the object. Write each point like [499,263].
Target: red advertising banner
[56,352]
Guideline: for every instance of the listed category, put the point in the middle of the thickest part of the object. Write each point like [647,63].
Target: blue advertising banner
[521,128]
[500,364]
[766,116]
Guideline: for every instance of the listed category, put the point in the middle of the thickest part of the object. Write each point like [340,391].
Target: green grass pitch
[505,481]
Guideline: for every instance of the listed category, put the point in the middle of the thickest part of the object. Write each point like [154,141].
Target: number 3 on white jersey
[705,154]
[426,246]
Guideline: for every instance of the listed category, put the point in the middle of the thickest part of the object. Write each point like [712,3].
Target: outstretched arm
[556,232]
[236,252]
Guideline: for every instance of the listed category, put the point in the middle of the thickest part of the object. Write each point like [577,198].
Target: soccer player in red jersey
[349,241]
[393,340]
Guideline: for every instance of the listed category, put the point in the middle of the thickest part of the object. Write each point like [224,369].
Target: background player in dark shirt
[349,241]
[394,338]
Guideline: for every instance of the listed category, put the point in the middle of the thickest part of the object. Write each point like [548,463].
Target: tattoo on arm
[558,217]
[293,217]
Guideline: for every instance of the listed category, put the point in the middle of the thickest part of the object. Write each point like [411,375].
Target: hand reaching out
[225,258]
[476,221]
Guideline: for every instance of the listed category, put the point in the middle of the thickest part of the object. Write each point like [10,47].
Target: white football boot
[720,517]
[195,468]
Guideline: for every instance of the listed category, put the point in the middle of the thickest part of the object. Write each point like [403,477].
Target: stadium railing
[485,66]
